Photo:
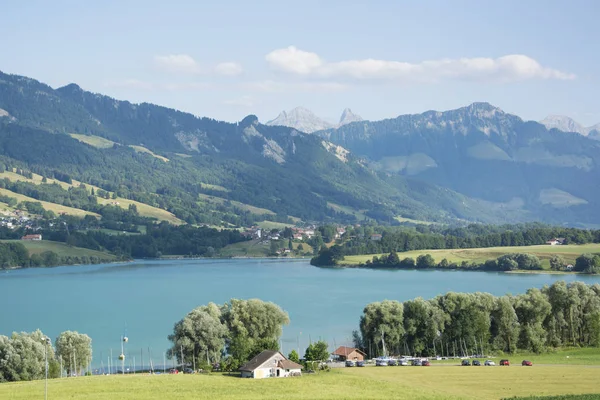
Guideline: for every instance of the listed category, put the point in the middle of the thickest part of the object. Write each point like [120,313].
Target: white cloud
[294,60]
[228,68]
[242,101]
[279,87]
[177,63]
[514,67]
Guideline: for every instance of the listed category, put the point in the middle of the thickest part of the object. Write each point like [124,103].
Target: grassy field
[144,210]
[436,383]
[62,249]
[254,248]
[141,149]
[57,208]
[544,252]
[95,141]
[268,225]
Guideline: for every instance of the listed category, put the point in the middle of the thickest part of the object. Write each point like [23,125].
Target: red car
[527,363]
[426,363]
[173,371]
[505,362]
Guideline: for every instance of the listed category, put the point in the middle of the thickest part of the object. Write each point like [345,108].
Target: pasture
[435,383]
[62,249]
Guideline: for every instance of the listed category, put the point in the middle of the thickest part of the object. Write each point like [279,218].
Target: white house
[270,364]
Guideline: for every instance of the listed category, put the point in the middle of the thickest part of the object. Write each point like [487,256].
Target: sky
[229,59]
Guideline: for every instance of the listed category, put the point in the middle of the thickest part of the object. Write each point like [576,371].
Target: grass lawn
[544,252]
[62,249]
[57,208]
[250,248]
[268,225]
[436,382]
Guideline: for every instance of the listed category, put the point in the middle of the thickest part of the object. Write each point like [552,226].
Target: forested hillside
[166,158]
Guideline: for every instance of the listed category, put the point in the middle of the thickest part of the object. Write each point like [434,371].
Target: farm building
[32,237]
[270,364]
[344,353]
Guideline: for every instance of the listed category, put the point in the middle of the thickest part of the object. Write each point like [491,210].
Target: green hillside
[61,249]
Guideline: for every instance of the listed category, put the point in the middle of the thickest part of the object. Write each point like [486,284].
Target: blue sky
[380,58]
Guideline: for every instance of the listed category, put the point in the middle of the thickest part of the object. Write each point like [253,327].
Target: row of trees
[23,355]
[231,333]
[506,262]
[457,324]
[15,255]
[400,239]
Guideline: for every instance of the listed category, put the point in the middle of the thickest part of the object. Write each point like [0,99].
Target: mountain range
[306,121]
[566,124]
[473,164]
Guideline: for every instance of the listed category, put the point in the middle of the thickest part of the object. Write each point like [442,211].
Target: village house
[36,236]
[556,241]
[344,353]
[376,237]
[270,364]
[297,236]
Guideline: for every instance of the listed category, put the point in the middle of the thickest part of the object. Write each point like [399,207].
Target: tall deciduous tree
[200,335]
[382,323]
[75,350]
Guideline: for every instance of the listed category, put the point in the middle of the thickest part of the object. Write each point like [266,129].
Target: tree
[317,351]
[293,356]
[23,357]
[505,325]
[200,334]
[75,350]
[507,263]
[382,322]
[425,261]
[253,325]
[557,263]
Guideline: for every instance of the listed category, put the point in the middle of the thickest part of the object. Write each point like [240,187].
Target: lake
[143,299]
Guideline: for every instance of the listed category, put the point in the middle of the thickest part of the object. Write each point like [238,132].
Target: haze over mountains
[476,163]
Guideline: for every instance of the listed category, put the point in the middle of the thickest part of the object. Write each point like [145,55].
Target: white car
[489,363]
[403,362]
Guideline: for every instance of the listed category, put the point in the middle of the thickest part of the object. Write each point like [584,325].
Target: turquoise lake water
[143,299]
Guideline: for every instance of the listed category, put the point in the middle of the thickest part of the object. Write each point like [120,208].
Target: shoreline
[520,271]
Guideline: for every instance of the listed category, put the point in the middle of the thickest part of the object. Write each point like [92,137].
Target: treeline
[24,355]
[506,262]
[15,255]
[159,239]
[460,324]
[359,240]
[474,236]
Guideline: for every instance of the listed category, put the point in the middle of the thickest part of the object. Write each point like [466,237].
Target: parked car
[360,363]
[403,362]
[425,363]
[173,371]
[527,363]
[476,363]
[416,363]
[465,363]
[489,363]
[189,371]
[349,363]
[392,362]
[505,362]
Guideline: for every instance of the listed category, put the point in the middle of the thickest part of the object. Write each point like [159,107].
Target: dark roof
[258,360]
[289,364]
[344,351]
